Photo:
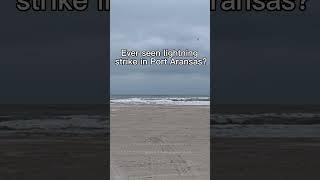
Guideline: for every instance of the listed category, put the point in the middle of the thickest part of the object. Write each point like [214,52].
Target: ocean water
[266,121]
[228,121]
[53,120]
[195,100]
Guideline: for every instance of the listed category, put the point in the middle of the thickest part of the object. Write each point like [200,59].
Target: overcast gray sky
[159,24]
[267,57]
[53,57]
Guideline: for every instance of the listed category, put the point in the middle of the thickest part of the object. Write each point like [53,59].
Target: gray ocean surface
[53,120]
[194,100]
[266,121]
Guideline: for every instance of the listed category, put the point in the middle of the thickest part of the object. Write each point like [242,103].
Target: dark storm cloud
[267,57]
[52,57]
[156,25]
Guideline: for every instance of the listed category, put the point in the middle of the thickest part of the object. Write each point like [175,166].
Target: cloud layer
[155,25]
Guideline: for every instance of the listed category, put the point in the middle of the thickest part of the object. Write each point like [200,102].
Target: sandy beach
[266,158]
[53,142]
[160,142]
[264,142]
[53,158]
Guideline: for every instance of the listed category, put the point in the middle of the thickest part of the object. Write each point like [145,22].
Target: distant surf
[54,120]
[161,100]
[266,121]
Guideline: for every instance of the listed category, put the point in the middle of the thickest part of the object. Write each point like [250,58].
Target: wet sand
[30,149]
[160,142]
[266,158]
[54,158]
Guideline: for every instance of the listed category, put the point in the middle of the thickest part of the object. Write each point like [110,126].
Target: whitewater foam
[197,101]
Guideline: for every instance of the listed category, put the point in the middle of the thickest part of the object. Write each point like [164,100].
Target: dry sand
[160,142]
